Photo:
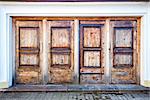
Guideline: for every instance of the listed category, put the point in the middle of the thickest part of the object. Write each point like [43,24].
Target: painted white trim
[147,44]
[8,9]
[3,48]
[71,3]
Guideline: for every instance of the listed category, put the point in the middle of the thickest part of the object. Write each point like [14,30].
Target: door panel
[91,56]
[29,59]
[28,69]
[91,36]
[60,51]
[122,59]
[91,78]
[60,36]
[26,37]
[124,51]
[59,59]
[123,37]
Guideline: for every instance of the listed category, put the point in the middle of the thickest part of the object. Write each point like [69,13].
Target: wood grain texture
[60,76]
[61,51]
[123,76]
[92,58]
[44,51]
[29,37]
[138,53]
[91,37]
[84,19]
[60,59]
[28,69]
[26,59]
[60,37]
[50,58]
[91,78]
[123,34]
[92,70]
[122,59]
[28,75]
[123,37]
[91,49]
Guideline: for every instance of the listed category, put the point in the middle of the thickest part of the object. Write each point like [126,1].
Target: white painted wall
[147,69]
[4,61]
[8,9]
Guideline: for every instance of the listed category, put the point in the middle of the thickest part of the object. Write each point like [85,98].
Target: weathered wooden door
[108,50]
[60,51]
[28,68]
[122,64]
[124,51]
[91,51]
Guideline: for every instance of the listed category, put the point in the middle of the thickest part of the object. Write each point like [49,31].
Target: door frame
[9,9]
[76,44]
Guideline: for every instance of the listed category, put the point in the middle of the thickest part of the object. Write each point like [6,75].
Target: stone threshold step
[76,88]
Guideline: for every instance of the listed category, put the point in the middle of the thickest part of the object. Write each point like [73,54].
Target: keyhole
[61,60]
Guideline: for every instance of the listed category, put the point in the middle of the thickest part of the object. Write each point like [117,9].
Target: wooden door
[124,55]
[109,50]
[60,51]
[91,51]
[28,70]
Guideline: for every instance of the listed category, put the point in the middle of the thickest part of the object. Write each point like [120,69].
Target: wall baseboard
[146,83]
[3,85]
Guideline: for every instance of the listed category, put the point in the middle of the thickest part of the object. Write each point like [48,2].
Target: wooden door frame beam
[107,69]
[45,49]
[76,51]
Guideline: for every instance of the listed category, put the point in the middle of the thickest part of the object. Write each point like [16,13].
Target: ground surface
[73,96]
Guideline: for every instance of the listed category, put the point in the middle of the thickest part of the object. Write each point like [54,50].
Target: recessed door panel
[27,37]
[28,69]
[60,51]
[123,37]
[60,36]
[60,59]
[92,58]
[91,36]
[123,59]
[29,59]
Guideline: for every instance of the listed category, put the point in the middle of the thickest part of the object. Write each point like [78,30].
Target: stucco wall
[147,69]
